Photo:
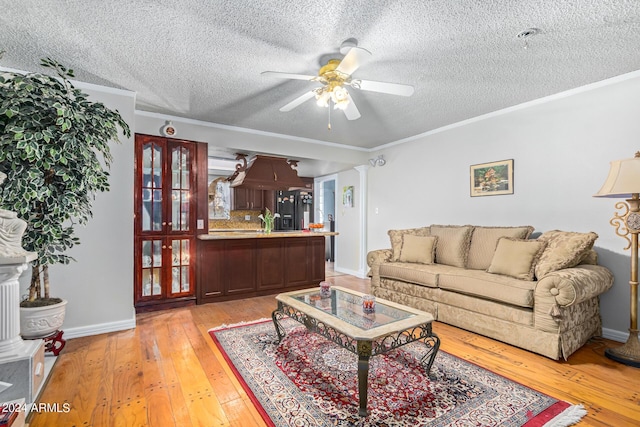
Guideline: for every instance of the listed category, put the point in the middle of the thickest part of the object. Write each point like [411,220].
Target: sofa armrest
[378,256]
[571,286]
[563,299]
[375,258]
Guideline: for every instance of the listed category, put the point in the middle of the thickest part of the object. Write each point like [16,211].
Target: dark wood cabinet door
[271,269]
[296,255]
[248,199]
[240,199]
[240,266]
[180,271]
[317,259]
[150,261]
[210,269]
[166,202]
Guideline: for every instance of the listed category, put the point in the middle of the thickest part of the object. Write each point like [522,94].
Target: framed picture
[347,196]
[492,179]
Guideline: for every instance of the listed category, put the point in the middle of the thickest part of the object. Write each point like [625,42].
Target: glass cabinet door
[152,262]
[165,220]
[151,187]
[181,162]
[181,266]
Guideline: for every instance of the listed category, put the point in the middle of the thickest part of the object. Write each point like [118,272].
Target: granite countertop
[259,234]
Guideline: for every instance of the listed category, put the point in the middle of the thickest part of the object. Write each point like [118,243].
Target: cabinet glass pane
[151,187]
[150,282]
[180,176]
[180,210]
[180,167]
[151,267]
[180,266]
[185,279]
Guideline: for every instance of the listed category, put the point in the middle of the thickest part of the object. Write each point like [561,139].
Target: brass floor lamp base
[629,353]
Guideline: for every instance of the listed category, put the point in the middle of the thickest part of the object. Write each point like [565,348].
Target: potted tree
[54,149]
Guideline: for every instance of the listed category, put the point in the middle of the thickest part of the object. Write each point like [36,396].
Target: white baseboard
[101,328]
[614,335]
[358,274]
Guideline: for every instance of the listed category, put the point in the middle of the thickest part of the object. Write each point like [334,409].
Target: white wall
[561,148]
[99,285]
[348,224]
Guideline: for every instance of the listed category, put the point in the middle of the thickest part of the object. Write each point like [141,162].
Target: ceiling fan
[334,76]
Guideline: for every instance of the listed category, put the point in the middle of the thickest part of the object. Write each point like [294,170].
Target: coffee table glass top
[347,307]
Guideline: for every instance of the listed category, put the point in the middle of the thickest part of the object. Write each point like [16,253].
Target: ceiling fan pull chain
[329,109]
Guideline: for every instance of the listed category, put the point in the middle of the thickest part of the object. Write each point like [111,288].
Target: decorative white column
[364,180]
[10,270]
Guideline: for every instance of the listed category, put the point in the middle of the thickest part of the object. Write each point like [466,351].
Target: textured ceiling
[202,59]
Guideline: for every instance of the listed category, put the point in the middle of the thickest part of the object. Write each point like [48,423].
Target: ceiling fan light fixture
[337,95]
[322,98]
[334,76]
[340,97]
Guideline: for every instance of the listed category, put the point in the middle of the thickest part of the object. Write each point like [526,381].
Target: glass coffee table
[340,317]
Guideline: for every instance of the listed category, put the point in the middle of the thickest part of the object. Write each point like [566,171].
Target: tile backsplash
[238,221]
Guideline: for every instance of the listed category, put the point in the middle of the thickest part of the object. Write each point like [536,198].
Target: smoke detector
[527,34]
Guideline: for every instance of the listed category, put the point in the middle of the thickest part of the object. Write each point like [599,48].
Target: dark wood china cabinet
[170,210]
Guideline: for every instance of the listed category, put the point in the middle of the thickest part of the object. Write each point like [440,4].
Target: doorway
[325,210]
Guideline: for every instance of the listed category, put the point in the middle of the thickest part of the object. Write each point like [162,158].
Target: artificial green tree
[54,148]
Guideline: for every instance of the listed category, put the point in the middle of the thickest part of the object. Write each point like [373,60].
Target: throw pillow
[516,257]
[484,241]
[453,244]
[396,239]
[565,249]
[419,249]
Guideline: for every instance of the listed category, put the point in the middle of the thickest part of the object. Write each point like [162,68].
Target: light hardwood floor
[167,372]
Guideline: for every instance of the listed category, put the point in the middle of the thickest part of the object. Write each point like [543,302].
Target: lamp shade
[623,179]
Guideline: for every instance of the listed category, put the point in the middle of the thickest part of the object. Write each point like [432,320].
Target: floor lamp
[624,182]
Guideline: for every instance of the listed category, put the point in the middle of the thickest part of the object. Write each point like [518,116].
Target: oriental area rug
[308,380]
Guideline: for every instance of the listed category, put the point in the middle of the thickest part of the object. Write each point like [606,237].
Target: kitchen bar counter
[259,234]
[247,263]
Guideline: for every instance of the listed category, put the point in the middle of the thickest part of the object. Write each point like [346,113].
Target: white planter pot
[38,322]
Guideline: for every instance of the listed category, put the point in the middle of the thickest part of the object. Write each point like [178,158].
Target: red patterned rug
[310,381]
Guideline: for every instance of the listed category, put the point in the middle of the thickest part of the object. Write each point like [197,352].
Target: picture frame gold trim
[491,179]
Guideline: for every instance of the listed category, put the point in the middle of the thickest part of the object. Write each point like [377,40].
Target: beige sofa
[538,294]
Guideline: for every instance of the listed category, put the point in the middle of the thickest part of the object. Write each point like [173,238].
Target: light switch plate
[247,217]
[200,224]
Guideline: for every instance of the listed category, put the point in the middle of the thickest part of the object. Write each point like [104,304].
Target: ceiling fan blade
[288,75]
[351,111]
[356,57]
[299,100]
[383,87]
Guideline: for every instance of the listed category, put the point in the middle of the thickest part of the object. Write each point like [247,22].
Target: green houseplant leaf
[54,149]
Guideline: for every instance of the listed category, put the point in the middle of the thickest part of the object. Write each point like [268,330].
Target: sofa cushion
[453,244]
[420,274]
[396,239]
[484,241]
[419,249]
[516,258]
[565,249]
[590,258]
[494,287]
